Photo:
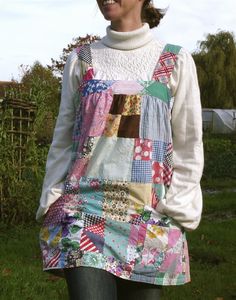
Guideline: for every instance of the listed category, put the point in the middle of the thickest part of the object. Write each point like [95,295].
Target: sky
[33,30]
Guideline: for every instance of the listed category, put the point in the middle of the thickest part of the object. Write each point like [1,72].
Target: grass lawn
[212,251]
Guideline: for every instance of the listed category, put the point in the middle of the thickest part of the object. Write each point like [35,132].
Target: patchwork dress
[121,167]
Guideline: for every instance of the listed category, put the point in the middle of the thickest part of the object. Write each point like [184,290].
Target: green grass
[212,252]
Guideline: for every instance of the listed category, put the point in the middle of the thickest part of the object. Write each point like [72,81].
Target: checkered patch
[159,149]
[167,174]
[168,161]
[91,220]
[84,54]
[165,67]
[135,219]
[141,171]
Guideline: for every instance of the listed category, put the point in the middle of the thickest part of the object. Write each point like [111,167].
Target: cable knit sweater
[128,56]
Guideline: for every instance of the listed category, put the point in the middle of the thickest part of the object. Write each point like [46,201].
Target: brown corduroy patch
[117,105]
[129,126]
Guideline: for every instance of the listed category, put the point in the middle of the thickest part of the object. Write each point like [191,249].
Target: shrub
[220,157]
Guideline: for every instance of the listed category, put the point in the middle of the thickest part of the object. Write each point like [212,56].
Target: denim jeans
[85,283]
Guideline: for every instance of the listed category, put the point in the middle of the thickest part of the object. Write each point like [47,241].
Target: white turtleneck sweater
[131,56]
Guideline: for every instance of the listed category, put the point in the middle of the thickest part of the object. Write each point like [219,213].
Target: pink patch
[133,238]
[170,263]
[89,74]
[142,233]
[94,112]
[154,199]
[142,149]
[79,169]
[173,237]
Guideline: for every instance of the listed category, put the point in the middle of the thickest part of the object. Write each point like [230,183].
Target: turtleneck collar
[128,40]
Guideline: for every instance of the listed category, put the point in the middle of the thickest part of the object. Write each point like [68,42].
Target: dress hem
[60,273]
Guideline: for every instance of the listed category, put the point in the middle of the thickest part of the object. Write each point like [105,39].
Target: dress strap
[85,57]
[84,53]
[166,63]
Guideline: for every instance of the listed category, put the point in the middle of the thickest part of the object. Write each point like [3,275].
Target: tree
[58,65]
[216,66]
[43,89]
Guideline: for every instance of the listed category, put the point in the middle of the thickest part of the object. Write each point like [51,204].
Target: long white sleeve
[183,201]
[59,155]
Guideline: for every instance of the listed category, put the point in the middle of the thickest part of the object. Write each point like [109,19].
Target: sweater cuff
[40,213]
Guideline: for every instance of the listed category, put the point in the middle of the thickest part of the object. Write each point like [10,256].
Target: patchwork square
[156,238]
[115,204]
[132,105]
[137,235]
[94,112]
[128,87]
[95,86]
[112,158]
[77,171]
[141,171]
[168,161]
[155,119]
[87,147]
[129,126]
[158,152]
[142,149]
[112,125]
[92,197]
[159,190]
[167,174]
[159,90]
[117,105]
[139,193]
[55,214]
[154,199]
[116,239]
[165,67]
[91,242]
[157,172]
[91,220]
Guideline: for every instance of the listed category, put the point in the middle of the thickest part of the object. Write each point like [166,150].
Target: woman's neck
[128,40]
[126,25]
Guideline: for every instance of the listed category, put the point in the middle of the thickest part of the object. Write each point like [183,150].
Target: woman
[123,170]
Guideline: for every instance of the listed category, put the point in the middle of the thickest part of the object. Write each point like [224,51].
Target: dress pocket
[55,213]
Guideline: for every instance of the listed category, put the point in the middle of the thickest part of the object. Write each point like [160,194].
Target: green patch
[159,90]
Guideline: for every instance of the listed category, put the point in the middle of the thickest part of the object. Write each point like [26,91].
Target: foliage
[216,66]
[58,65]
[212,255]
[20,194]
[20,181]
[43,89]
[220,156]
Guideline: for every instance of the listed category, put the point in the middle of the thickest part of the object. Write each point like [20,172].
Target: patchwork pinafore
[121,167]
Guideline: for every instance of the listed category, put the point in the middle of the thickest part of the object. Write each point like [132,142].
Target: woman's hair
[151,15]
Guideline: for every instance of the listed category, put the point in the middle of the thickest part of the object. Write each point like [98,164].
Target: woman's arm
[183,201]
[59,155]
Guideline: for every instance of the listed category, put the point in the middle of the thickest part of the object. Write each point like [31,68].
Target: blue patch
[158,151]
[95,86]
[116,239]
[155,119]
[141,171]
[92,196]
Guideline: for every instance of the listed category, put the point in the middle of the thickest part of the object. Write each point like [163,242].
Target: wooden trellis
[17,117]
